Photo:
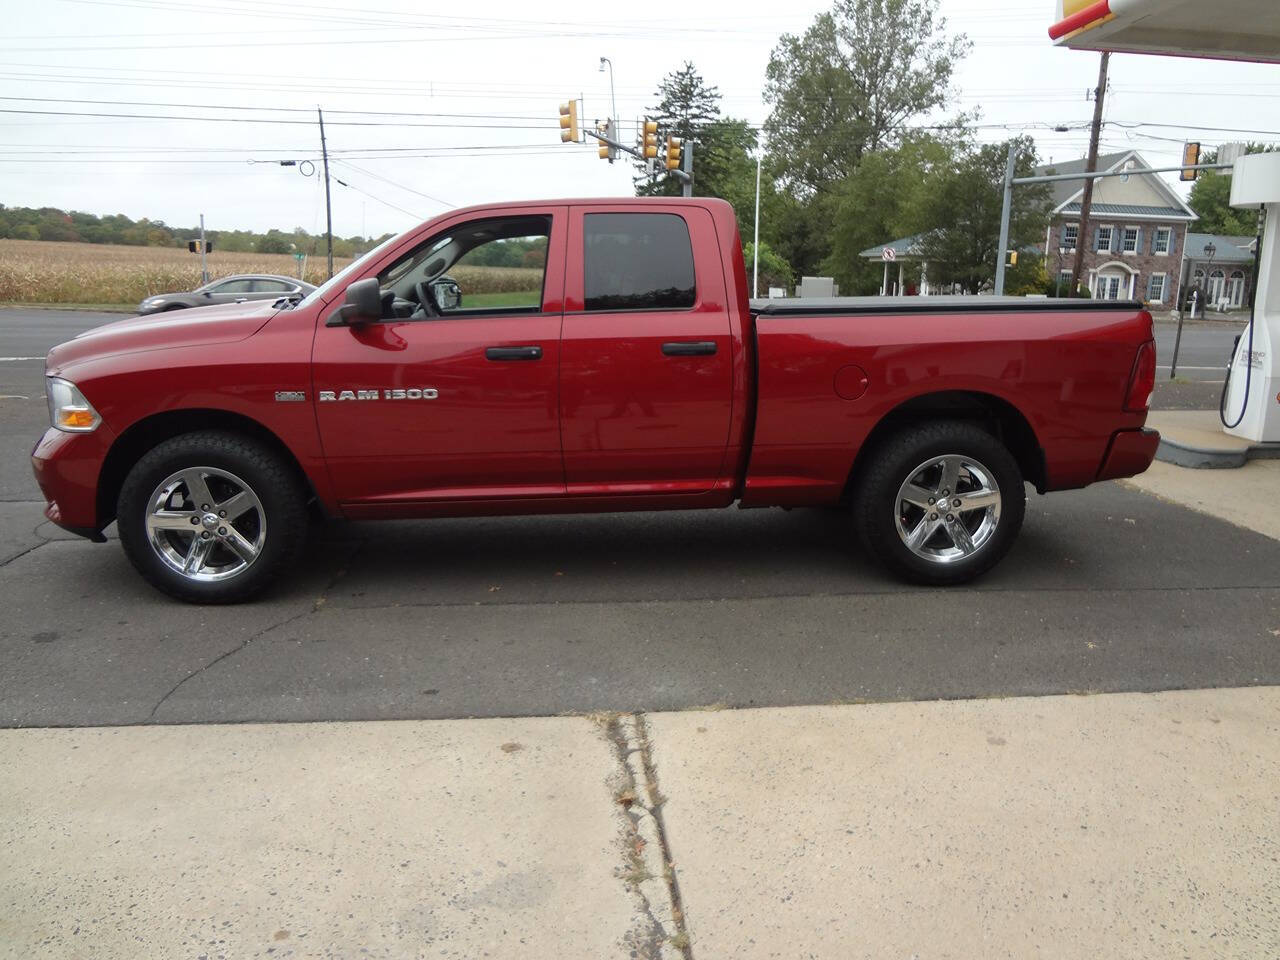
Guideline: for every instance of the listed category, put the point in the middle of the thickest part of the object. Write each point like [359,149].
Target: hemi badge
[290,396]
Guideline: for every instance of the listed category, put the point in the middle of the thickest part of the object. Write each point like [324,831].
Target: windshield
[342,276]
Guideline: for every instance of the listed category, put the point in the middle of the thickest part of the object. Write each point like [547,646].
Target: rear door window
[637,261]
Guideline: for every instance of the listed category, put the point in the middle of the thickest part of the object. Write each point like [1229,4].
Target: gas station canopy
[1219,29]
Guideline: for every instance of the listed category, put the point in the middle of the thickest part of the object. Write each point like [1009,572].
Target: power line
[275,121]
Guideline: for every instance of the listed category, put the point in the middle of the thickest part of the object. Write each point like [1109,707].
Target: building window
[1070,234]
[1155,288]
[1235,288]
[1064,281]
[1130,240]
[1163,240]
[1104,239]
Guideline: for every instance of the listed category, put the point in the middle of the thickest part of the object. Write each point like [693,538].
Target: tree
[885,199]
[1211,199]
[851,84]
[722,146]
[774,271]
[962,207]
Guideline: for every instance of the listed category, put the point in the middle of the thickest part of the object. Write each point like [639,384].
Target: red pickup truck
[614,363]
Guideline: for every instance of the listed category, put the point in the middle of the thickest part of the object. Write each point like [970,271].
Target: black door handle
[689,348]
[513,353]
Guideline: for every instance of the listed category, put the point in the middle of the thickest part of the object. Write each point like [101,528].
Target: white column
[884,284]
[901,290]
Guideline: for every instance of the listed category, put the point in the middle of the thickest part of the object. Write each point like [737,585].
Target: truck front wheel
[212,517]
[940,503]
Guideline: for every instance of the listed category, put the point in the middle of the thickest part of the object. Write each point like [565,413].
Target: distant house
[1225,276]
[1137,231]
[1139,245]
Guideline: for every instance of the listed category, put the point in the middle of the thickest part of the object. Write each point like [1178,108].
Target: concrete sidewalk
[1135,825]
[1245,496]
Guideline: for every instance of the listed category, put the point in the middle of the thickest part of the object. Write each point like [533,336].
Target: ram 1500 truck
[582,355]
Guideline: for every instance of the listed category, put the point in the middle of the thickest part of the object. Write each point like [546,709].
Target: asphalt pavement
[1108,589]
[1204,350]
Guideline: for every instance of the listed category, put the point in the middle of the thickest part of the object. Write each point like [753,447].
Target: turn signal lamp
[69,411]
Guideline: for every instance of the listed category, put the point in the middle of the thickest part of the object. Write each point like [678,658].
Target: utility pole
[1091,165]
[204,265]
[328,209]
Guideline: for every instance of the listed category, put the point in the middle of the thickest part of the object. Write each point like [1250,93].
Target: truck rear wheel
[940,503]
[212,517]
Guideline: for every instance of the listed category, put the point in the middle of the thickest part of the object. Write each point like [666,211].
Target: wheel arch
[146,433]
[994,414]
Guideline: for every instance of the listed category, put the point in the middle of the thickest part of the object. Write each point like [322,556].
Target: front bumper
[1129,453]
[67,467]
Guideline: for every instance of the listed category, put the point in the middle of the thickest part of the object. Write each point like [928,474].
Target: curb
[1206,458]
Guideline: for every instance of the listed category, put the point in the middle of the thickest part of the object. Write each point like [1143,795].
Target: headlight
[69,410]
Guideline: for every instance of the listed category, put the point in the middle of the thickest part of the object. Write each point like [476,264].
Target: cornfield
[497,279]
[37,271]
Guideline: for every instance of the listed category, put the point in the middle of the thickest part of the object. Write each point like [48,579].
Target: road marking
[12,396]
[1183,366]
[10,359]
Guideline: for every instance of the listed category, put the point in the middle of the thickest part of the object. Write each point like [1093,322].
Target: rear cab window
[637,261]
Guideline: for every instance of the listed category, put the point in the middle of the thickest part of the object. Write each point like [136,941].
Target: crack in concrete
[650,872]
[223,656]
[23,553]
[315,608]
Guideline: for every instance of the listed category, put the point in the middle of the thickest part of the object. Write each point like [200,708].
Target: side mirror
[363,302]
[447,292]
[208,294]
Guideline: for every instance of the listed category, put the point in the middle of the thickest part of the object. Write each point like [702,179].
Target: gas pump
[1251,396]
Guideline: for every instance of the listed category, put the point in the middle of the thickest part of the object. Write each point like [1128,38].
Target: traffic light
[194,246]
[650,149]
[1013,258]
[570,132]
[673,153]
[1190,157]
[606,150]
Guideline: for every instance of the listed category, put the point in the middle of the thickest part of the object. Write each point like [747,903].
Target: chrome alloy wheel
[947,508]
[206,524]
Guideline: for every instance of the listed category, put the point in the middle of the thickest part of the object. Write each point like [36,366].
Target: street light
[1210,249]
[613,100]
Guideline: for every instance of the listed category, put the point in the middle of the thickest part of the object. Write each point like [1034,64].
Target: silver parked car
[235,289]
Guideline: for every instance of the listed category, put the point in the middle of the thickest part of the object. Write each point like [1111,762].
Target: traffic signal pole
[1002,251]
[686,169]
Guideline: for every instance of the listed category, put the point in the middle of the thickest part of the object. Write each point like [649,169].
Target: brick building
[1136,237]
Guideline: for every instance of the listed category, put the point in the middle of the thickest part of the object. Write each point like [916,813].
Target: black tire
[280,494]
[878,512]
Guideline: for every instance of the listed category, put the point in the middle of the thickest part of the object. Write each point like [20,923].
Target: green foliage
[774,270]
[722,146]
[852,82]
[962,208]
[1211,199]
[884,199]
[517,252]
[49,223]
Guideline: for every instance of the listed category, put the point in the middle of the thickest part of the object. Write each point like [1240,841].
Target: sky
[448,106]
